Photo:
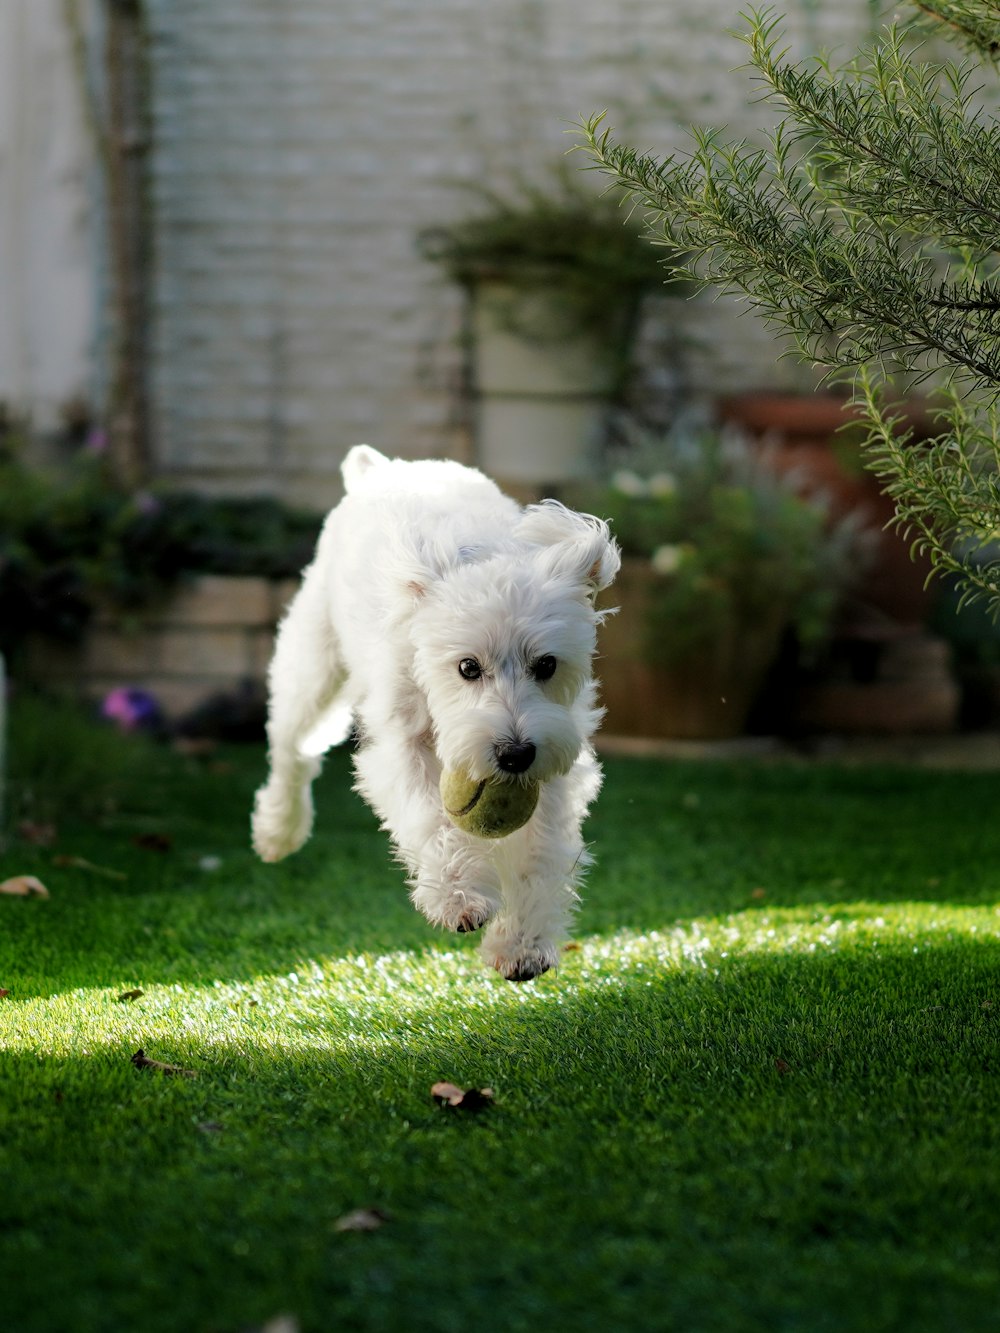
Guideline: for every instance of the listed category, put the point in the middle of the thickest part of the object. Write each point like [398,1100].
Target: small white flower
[629,483]
[662,483]
[665,559]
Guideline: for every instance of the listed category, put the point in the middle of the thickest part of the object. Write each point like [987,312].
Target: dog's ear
[576,547]
[359,461]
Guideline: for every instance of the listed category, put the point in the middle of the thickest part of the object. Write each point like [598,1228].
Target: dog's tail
[361,459]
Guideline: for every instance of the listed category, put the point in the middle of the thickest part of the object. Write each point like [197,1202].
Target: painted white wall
[48,271]
[300,146]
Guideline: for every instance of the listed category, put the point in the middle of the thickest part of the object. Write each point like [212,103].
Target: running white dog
[457,631]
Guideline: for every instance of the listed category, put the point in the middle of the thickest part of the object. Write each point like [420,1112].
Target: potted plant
[721,558]
[820,440]
[555,281]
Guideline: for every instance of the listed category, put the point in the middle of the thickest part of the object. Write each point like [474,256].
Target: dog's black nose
[514,757]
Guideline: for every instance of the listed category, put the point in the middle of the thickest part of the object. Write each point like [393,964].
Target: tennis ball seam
[470,805]
[487,807]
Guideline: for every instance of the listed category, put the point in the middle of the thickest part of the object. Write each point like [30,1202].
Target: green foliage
[731,543]
[760,1094]
[589,246]
[72,539]
[866,231]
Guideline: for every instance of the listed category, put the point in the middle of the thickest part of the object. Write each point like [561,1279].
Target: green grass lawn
[762,1093]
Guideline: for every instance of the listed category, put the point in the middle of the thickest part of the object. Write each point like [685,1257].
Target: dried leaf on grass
[142,1061]
[39,835]
[467,1099]
[81,863]
[154,842]
[128,995]
[24,886]
[362,1219]
[3,993]
[782,1066]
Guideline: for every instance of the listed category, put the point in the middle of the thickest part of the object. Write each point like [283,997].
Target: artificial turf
[762,1092]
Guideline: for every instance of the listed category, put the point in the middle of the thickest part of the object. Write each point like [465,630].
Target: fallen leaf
[3,993]
[468,1099]
[362,1219]
[39,835]
[154,842]
[81,863]
[127,995]
[194,747]
[782,1066]
[23,886]
[572,947]
[758,894]
[142,1061]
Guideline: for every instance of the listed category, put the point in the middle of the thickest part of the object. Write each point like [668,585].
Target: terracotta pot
[706,695]
[801,434]
[791,416]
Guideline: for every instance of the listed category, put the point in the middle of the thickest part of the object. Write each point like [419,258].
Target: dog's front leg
[454,883]
[540,868]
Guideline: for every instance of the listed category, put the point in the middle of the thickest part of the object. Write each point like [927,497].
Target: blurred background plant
[730,542]
[554,277]
[727,569]
[72,539]
[558,233]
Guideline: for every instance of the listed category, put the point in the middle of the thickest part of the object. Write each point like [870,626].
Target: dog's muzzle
[514,756]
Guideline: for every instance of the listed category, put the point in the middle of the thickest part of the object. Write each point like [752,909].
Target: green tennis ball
[487,807]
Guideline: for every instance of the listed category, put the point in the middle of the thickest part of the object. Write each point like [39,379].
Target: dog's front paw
[467,912]
[464,910]
[518,959]
[280,825]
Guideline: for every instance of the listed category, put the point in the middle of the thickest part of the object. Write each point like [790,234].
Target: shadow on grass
[791,1137]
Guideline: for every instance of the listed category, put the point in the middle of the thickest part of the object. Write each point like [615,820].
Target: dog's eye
[543,668]
[469,669]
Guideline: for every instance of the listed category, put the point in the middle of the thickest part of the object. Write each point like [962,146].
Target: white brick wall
[300,145]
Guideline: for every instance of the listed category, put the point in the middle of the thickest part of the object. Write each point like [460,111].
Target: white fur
[421,566]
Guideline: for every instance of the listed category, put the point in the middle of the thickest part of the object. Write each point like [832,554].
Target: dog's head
[503,643]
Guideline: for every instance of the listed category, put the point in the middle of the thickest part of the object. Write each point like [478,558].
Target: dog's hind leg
[305,717]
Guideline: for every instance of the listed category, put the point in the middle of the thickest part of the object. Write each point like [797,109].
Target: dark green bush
[71,539]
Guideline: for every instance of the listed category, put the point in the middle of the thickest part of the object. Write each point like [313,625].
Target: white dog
[456,630]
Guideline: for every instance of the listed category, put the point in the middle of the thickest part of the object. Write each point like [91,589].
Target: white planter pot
[530,341]
[544,384]
[539,440]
